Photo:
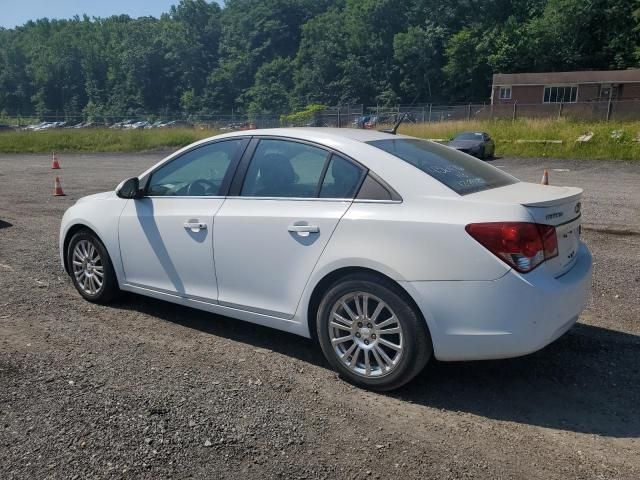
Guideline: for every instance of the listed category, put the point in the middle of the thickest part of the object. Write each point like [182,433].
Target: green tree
[271,91]
[467,70]
[419,54]
[596,34]
[272,55]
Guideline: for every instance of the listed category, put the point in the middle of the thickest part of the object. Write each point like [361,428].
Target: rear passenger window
[341,180]
[281,168]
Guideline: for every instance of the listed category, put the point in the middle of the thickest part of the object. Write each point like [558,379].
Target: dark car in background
[478,144]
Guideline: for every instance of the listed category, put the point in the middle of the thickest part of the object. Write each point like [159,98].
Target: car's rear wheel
[90,268]
[371,334]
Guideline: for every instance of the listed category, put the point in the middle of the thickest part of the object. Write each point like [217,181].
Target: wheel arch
[71,231]
[332,277]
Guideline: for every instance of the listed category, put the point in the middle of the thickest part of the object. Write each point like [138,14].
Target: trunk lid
[547,205]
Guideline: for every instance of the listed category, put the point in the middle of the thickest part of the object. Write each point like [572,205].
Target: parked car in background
[478,144]
[386,249]
[38,127]
[360,121]
[123,124]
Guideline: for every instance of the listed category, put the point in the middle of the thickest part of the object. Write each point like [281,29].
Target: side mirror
[130,188]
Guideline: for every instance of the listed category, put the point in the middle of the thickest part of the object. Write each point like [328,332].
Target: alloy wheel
[366,335]
[88,269]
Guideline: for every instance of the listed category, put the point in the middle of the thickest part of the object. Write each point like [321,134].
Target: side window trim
[228,177]
[243,167]
[323,174]
[234,178]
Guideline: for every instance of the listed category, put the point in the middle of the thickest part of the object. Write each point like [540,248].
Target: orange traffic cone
[55,165]
[57,188]
[545,177]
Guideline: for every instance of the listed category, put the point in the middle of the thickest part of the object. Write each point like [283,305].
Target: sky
[17,12]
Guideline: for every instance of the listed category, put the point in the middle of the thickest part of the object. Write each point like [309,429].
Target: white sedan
[386,249]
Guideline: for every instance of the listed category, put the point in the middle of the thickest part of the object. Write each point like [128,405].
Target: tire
[86,245]
[332,323]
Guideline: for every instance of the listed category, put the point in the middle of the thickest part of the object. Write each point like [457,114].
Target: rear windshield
[460,172]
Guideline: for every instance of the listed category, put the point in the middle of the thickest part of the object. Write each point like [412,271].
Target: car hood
[464,143]
[97,196]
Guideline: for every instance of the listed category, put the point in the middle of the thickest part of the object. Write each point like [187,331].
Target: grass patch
[506,133]
[99,140]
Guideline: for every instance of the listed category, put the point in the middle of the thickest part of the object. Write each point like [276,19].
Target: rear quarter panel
[418,241]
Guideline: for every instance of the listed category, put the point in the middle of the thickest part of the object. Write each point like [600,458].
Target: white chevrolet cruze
[385,248]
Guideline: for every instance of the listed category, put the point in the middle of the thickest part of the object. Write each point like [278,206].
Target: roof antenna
[393,130]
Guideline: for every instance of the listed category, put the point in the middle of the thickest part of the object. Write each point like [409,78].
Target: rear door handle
[304,228]
[195,225]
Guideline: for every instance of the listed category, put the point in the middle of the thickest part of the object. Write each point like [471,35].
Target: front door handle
[304,229]
[195,226]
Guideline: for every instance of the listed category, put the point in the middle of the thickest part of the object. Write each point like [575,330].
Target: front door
[270,236]
[166,238]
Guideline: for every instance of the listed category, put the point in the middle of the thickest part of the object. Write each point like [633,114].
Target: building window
[609,92]
[505,93]
[560,94]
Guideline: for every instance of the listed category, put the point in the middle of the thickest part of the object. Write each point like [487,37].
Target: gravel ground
[147,389]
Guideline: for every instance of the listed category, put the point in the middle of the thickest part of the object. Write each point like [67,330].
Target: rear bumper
[512,316]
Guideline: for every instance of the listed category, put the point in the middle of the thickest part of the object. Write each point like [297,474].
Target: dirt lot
[147,389]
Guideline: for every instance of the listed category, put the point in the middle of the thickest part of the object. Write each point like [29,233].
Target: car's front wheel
[371,334]
[90,268]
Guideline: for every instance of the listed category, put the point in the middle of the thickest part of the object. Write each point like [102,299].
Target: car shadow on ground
[4,224]
[587,381]
[226,327]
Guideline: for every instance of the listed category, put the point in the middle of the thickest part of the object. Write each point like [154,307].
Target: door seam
[315,265]
[213,248]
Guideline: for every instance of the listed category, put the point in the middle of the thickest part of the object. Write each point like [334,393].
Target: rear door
[285,204]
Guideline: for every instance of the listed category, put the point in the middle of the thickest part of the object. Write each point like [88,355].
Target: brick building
[565,87]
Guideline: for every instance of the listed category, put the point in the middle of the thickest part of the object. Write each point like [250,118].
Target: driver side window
[197,173]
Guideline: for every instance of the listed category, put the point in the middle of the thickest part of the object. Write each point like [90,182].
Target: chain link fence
[356,116]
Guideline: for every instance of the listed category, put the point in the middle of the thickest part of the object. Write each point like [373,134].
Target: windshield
[469,136]
[460,172]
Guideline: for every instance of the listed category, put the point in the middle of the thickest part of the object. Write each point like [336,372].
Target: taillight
[521,245]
